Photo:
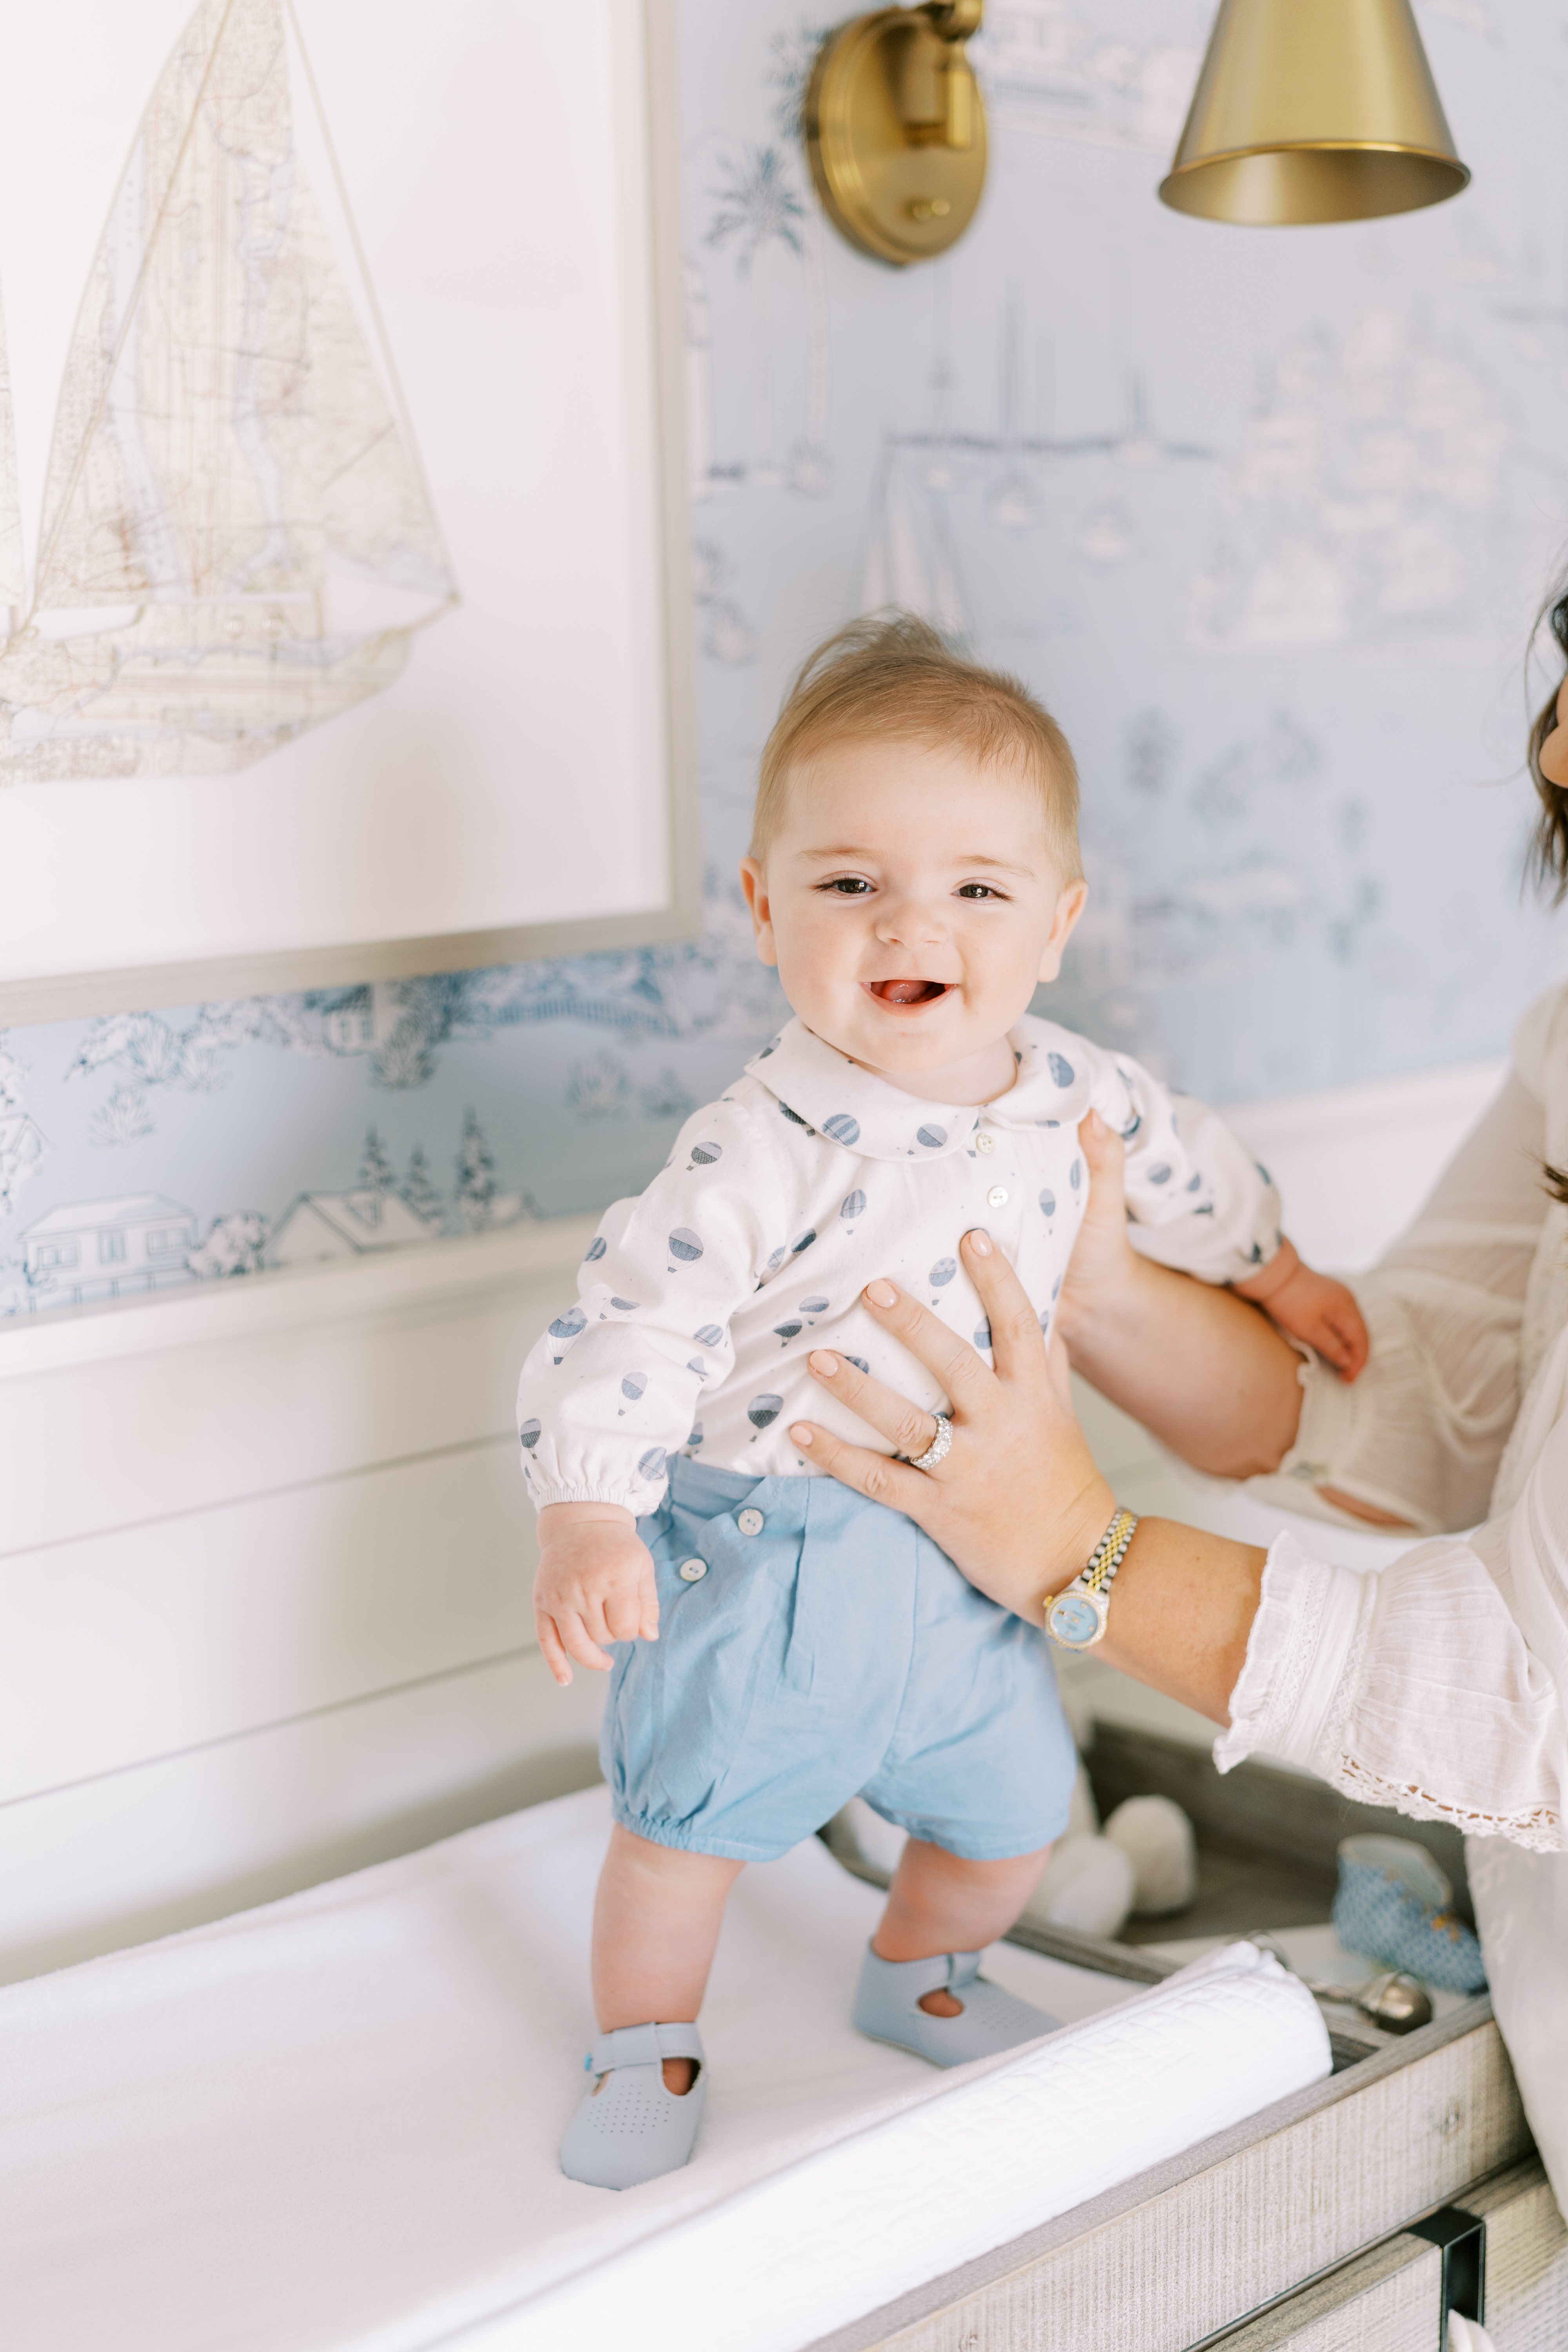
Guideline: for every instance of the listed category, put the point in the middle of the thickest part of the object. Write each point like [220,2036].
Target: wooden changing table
[1297,2228]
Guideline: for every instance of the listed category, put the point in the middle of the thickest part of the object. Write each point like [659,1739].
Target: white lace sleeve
[1413,1688]
[1421,1433]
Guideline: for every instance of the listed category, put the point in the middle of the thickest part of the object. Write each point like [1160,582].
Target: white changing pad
[330,2125]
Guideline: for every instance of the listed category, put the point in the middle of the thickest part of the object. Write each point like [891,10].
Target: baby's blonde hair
[892,674]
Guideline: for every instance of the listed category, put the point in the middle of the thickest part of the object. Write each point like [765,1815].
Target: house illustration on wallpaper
[344,1224]
[91,1250]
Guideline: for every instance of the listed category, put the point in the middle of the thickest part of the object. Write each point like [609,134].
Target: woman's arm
[1204,1371]
[1416,1688]
[1416,1442]
[1019,1503]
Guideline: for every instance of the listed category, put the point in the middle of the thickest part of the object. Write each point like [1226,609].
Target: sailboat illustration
[223,449]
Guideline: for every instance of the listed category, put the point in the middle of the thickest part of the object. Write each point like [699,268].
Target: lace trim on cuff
[1540,1830]
[1280,1654]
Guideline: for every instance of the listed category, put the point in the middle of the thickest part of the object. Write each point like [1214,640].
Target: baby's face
[911,902]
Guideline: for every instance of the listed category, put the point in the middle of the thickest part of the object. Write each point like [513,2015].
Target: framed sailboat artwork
[344,599]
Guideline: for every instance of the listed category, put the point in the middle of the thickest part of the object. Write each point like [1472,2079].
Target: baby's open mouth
[907,992]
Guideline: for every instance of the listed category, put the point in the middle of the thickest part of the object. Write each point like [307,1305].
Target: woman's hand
[1018,1503]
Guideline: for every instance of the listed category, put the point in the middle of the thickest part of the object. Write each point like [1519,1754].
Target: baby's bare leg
[656,1923]
[940,1903]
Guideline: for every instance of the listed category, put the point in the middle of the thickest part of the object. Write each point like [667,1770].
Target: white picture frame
[532,303]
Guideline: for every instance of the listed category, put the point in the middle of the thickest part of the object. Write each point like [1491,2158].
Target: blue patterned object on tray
[1393,1905]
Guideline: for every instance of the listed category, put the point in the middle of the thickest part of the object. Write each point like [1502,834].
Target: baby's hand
[595,1583]
[1312,1307]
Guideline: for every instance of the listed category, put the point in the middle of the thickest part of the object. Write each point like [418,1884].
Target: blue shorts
[835,1653]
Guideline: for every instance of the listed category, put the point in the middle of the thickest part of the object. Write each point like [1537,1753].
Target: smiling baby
[779,1644]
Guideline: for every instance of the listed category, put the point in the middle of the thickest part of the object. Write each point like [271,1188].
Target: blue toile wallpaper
[1265,516]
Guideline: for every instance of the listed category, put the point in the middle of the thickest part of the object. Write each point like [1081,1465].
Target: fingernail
[801,1434]
[980,1241]
[881,1294]
[821,1362]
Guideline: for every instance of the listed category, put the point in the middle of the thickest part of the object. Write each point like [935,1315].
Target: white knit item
[1088,1884]
[1157,1839]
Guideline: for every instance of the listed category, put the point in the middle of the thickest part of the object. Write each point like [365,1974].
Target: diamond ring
[937,1450]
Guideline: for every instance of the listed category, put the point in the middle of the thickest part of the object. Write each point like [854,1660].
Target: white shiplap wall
[264,1556]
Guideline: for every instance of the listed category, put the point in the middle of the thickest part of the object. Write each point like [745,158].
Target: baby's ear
[754,884]
[1069,906]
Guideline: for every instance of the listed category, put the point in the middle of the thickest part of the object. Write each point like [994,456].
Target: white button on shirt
[751,1523]
[699,1301]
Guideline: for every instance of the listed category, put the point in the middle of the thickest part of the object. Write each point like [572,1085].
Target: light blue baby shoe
[888,2009]
[1393,1903]
[630,2129]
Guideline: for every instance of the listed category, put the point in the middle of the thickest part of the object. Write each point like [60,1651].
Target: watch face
[1074,1618]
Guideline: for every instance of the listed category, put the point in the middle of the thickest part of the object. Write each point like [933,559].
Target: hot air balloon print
[595,1249]
[684,1246]
[566,1328]
[853,1205]
[764,1411]
[842,1128]
[530,1433]
[704,1155]
[942,1271]
[652,1464]
[710,1336]
[1060,1068]
[934,1138]
[632,1388]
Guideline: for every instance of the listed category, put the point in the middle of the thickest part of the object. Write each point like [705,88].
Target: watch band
[1076,1618]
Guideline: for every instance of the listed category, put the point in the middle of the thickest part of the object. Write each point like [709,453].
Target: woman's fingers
[876,1474]
[907,1426]
[1016,1344]
[964,1374]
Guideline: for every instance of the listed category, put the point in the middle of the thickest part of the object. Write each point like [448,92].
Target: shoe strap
[642,2045]
[962,1968]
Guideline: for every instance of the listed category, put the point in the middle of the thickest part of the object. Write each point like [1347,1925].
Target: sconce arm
[954,20]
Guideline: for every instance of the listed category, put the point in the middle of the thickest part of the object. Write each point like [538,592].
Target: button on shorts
[836,1653]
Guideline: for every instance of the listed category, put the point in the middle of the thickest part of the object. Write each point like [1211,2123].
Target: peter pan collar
[819,1089]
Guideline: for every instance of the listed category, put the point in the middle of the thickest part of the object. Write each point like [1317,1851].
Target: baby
[781,1643]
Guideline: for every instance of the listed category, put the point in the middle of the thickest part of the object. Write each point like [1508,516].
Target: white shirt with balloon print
[699,1301]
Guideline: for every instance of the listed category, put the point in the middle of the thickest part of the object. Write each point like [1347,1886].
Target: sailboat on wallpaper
[224,453]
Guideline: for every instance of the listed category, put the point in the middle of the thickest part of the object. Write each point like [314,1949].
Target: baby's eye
[848,885]
[977,890]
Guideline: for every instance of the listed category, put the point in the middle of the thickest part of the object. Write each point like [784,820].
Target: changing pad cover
[329,2125]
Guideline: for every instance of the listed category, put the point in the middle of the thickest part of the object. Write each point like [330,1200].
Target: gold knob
[926,208]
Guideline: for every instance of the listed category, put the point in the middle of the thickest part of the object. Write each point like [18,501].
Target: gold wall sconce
[1313,110]
[895,128]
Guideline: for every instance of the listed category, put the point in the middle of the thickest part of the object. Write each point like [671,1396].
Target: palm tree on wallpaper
[759,211]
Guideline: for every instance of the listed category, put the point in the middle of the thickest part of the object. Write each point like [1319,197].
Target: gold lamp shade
[1313,110]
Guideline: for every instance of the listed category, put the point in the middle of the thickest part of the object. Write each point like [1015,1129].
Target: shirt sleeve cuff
[638,1500]
[1293,1688]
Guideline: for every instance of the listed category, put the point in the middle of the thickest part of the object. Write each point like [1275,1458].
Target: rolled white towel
[1157,1839]
[1087,1885]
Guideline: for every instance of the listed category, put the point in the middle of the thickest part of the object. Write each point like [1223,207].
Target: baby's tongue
[904,991]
